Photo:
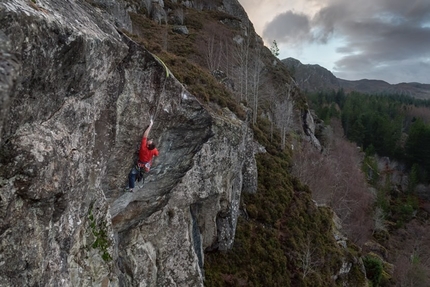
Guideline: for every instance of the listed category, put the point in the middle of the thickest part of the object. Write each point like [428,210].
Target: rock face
[76,96]
[309,128]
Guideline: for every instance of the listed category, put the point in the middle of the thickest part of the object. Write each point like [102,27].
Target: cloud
[413,70]
[289,28]
[374,34]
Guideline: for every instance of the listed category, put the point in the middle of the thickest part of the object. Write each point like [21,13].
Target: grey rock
[76,96]
[158,14]
[180,29]
[309,128]
[9,66]
[115,11]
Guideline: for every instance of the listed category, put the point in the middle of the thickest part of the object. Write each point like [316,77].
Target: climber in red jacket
[147,151]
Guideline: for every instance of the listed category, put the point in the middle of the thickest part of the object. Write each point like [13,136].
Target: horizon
[363,79]
[384,40]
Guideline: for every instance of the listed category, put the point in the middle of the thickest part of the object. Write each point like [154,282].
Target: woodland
[387,138]
[395,126]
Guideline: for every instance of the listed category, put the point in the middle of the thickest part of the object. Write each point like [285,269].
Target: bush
[373,267]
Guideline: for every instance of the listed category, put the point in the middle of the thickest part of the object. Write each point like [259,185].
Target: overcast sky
[364,39]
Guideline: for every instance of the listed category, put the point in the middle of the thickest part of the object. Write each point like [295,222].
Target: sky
[386,40]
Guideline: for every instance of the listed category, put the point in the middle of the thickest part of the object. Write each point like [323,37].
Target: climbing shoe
[141,182]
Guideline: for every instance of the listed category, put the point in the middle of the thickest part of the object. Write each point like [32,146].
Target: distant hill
[313,78]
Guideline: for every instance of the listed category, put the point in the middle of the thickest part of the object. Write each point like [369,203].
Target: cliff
[76,97]
[77,93]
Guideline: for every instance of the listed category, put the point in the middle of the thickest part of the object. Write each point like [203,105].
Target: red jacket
[146,155]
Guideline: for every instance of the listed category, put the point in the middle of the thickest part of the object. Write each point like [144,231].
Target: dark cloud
[325,22]
[376,35]
[288,28]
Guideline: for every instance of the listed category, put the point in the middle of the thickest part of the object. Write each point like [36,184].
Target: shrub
[373,267]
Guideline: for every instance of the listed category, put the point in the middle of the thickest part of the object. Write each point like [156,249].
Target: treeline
[396,126]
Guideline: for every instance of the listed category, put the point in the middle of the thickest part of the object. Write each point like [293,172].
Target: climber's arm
[148,129]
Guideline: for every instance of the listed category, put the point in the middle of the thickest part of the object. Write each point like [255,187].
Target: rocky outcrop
[309,127]
[76,95]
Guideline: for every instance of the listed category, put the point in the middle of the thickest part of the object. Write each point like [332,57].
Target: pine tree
[274,48]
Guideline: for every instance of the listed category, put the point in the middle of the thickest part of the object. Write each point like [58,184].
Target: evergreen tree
[274,48]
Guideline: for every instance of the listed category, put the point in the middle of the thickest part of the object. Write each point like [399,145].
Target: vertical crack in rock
[196,234]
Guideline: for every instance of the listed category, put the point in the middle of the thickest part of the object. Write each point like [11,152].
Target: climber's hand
[151,122]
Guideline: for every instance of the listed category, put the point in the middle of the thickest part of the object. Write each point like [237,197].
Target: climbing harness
[146,166]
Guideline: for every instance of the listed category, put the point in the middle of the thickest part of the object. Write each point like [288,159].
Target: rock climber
[147,151]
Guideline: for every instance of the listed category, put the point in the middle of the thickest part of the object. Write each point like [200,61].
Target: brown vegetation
[419,112]
[223,43]
[336,179]
[411,256]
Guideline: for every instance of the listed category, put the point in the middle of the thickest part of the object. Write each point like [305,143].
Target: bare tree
[213,55]
[412,255]
[336,179]
[271,97]
[246,57]
[255,84]
[239,59]
[226,58]
[165,38]
[307,259]
[241,54]
[283,112]
[419,112]
[379,219]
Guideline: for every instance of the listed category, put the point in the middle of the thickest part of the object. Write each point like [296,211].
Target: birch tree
[255,85]
[241,59]
[283,111]
[213,55]
[246,59]
[307,259]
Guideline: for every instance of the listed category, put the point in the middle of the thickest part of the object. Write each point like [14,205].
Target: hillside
[222,204]
[312,78]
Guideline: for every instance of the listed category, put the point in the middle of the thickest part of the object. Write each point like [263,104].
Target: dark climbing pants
[132,177]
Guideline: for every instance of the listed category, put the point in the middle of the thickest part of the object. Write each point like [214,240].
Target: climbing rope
[157,106]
